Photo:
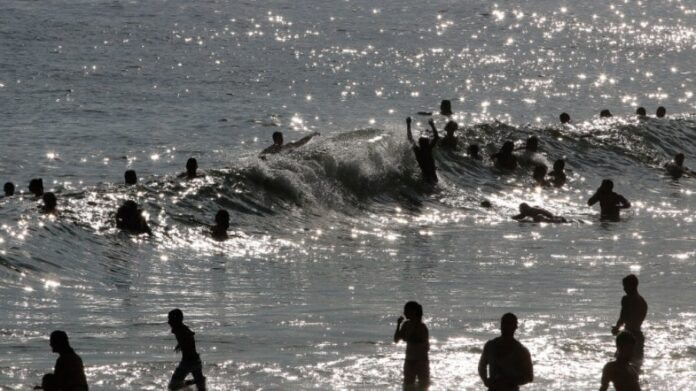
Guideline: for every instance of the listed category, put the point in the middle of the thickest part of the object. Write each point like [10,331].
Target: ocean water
[329,241]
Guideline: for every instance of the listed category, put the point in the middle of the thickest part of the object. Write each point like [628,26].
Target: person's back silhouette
[222,223]
[505,363]
[661,112]
[36,187]
[641,113]
[191,168]
[69,372]
[620,372]
[609,202]
[130,177]
[504,159]
[558,175]
[446,107]
[50,203]
[9,189]
[129,218]
[450,140]
[564,118]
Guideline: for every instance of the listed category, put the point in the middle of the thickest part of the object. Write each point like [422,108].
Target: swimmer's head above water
[679,159]
[641,112]
[532,144]
[661,112]
[9,189]
[36,187]
[191,167]
[605,113]
[130,177]
[559,165]
[564,117]
[450,128]
[278,138]
[50,202]
[446,107]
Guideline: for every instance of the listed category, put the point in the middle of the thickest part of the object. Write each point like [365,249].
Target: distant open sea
[330,240]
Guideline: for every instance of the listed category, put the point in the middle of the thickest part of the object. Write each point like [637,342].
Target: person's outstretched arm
[302,141]
[436,136]
[483,365]
[398,334]
[409,135]
[623,202]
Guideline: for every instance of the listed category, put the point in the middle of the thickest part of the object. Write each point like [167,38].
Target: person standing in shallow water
[424,151]
[415,333]
[69,372]
[634,309]
[505,363]
[610,203]
[190,359]
[620,372]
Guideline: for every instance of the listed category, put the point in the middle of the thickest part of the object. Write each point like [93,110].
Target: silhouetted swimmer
[450,140]
[446,107]
[69,372]
[473,152]
[532,144]
[415,333]
[190,359]
[130,177]
[565,118]
[130,218]
[222,224]
[621,372]
[634,309]
[50,202]
[36,187]
[605,114]
[610,203]
[504,159]
[191,168]
[9,189]
[505,363]
[486,204]
[641,113]
[558,175]
[676,168]
[539,175]
[661,112]
[537,214]
[279,146]
[424,151]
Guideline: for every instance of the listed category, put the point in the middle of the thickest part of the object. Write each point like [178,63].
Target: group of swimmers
[505,363]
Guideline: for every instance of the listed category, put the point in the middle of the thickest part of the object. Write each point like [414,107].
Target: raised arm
[436,136]
[409,135]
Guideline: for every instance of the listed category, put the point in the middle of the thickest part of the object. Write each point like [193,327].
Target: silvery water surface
[331,240]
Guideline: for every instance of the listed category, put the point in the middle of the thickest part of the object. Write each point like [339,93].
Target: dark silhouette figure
[661,112]
[446,107]
[9,189]
[605,114]
[130,177]
[190,360]
[610,203]
[676,168]
[36,187]
[48,383]
[279,146]
[69,372]
[539,175]
[450,140]
[634,309]
[473,152]
[505,363]
[424,151]
[415,333]
[558,175]
[50,202]
[191,168]
[532,144]
[538,215]
[641,113]
[504,159]
[130,218]
[564,117]
[222,224]
[621,372]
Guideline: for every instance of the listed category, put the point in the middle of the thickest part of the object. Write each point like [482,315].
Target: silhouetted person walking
[190,360]
[558,175]
[634,309]
[36,187]
[661,112]
[130,218]
[620,372]
[424,151]
[9,189]
[450,140]
[50,203]
[130,177]
[415,333]
[222,224]
[505,159]
[564,118]
[278,145]
[505,363]
[69,372]
[610,203]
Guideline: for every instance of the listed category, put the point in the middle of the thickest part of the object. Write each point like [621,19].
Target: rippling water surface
[332,239]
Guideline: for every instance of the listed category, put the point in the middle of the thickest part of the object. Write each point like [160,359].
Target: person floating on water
[50,203]
[190,359]
[605,114]
[415,333]
[641,113]
[564,117]
[450,140]
[676,168]
[69,372]
[621,372]
[9,189]
[130,218]
[505,159]
[558,175]
[505,363]
[279,146]
[473,152]
[634,309]
[538,215]
[661,112]
[610,203]
[222,224]
[539,175]
[130,177]
[424,151]
[36,187]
